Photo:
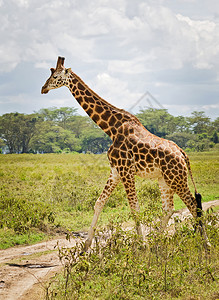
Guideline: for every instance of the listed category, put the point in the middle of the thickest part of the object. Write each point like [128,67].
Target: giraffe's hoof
[86,246]
[84,250]
[207,246]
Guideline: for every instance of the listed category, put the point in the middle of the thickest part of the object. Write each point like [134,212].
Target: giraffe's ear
[52,70]
[67,71]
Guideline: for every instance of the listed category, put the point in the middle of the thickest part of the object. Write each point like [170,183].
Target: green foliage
[215,138]
[51,138]
[183,139]
[158,122]
[60,116]
[16,130]
[94,140]
[21,215]
[2,144]
[52,130]
[121,266]
[195,133]
[199,122]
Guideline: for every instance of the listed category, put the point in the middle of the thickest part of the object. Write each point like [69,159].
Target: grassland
[41,194]
[60,190]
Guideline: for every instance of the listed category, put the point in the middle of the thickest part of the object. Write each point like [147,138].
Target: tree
[79,124]
[182,124]
[60,129]
[215,124]
[53,138]
[200,122]
[215,137]
[27,130]
[157,121]
[95,140]
[58,115]
[2,144]
[181,138]
[16,130]
[8,131]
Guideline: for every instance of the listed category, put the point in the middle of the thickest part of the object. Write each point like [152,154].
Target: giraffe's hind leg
[190,201]
[167,202]
[109,187]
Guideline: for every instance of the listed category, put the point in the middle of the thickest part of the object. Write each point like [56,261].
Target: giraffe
[134,151]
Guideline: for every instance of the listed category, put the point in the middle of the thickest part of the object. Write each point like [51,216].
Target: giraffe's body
[134,151]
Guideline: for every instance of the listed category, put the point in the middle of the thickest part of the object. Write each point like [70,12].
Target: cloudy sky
[120,48]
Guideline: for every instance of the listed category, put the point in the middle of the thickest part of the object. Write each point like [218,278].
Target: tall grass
[121,266]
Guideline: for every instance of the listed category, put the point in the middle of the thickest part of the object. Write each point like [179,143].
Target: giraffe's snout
[44,90]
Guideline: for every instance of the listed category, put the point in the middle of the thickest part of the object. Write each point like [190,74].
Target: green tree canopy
[58,115]
[53,138]
[157,121]
[199,122]
[61,129]
[16,130]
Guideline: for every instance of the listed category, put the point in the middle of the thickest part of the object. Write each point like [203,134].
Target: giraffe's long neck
[108,117]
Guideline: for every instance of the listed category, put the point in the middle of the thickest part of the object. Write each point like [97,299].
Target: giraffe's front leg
[109,187]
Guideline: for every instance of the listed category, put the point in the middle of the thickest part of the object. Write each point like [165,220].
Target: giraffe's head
[58,78]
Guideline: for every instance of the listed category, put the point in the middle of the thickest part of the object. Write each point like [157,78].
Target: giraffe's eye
[55,77]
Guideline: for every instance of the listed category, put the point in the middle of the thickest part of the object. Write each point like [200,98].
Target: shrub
[121,266]
[21,215]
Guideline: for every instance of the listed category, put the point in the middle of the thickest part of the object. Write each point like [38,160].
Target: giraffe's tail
[198,199]
[198,196]
[189,169]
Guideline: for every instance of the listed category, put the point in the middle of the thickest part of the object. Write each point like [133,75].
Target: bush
[21,215]
[121,266]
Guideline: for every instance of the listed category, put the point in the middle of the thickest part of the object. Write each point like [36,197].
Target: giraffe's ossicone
[134,151]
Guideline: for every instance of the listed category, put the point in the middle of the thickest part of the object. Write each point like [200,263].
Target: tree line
[56,130]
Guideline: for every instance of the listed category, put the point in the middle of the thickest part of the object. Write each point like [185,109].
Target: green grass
[205,166]
[165,267]
[37,191]
[8,238]
[42,193]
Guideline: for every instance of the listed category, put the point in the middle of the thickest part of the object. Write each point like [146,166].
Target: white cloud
[134,66]
[186,110]
[22,3]
[123,47]
[95,29]
[204,37]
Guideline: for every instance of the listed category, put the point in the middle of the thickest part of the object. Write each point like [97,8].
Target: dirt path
[24,270]
[23,267]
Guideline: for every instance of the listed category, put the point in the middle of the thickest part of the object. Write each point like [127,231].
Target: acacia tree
[9,131]
[60,116]
[157,121]
[199,122]
[16,130]
[53,138]
[215,138]
[79,124]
